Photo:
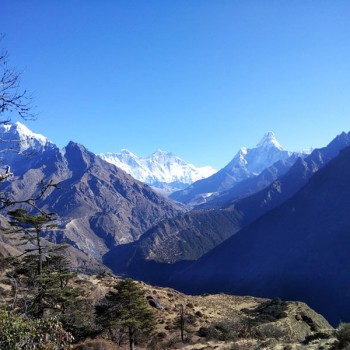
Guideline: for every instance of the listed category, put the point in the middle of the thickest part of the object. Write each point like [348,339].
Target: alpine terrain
[98,204]
[162,170]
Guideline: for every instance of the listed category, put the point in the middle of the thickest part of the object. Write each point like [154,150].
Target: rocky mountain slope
[161,170]
[10,246]
[247,164]
[172,243]
[98,205]
[297,251]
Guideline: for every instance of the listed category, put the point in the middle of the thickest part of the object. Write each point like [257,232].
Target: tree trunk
[131,339]
[40,272]
[182,322]
[40,253]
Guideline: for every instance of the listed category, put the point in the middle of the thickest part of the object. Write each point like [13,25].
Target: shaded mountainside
[170,246]
[98,205]
[299,251]
[172,243]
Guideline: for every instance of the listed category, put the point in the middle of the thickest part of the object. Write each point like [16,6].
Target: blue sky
[199,78]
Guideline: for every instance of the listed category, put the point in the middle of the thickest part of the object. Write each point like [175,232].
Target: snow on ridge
[159,167]
[25,131]
[252,161]
[269,140]
[15,132]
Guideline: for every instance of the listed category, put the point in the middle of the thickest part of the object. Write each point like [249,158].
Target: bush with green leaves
[19,333]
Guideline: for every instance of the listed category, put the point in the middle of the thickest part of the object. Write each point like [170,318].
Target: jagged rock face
[298,251]
[98,205]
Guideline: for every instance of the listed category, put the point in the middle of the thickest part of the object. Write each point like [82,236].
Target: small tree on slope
[127,308]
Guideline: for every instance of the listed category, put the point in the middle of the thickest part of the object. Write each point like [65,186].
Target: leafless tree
[13,99]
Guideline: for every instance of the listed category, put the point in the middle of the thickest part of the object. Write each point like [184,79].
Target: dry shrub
[229,328]
[271,330]
[343,337]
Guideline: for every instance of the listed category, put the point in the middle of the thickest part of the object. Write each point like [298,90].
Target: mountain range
[188,236]
[247,164]
[270,223]
[161,170]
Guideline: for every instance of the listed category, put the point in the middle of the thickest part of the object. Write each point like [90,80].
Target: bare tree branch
[13,100]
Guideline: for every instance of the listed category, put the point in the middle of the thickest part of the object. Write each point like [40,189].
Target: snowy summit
[161,169]
[25,138]
[269,140]
[252,161]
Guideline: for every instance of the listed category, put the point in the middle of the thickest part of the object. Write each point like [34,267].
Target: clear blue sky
[196,77]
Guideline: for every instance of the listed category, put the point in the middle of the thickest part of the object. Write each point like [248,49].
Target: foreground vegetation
[109,313]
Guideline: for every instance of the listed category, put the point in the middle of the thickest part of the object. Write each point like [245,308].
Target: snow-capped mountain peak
[19,138]
[160,169]
[20,147]
[126,152]
[161,155]
[20,130]
[269,140]
[252,161]
[247,164]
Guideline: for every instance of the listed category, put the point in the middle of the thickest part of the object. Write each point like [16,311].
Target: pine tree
[31,228]
[43,270]
[127,307]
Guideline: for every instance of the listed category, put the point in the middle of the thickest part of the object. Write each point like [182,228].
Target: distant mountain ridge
[247,164]
[161,169]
